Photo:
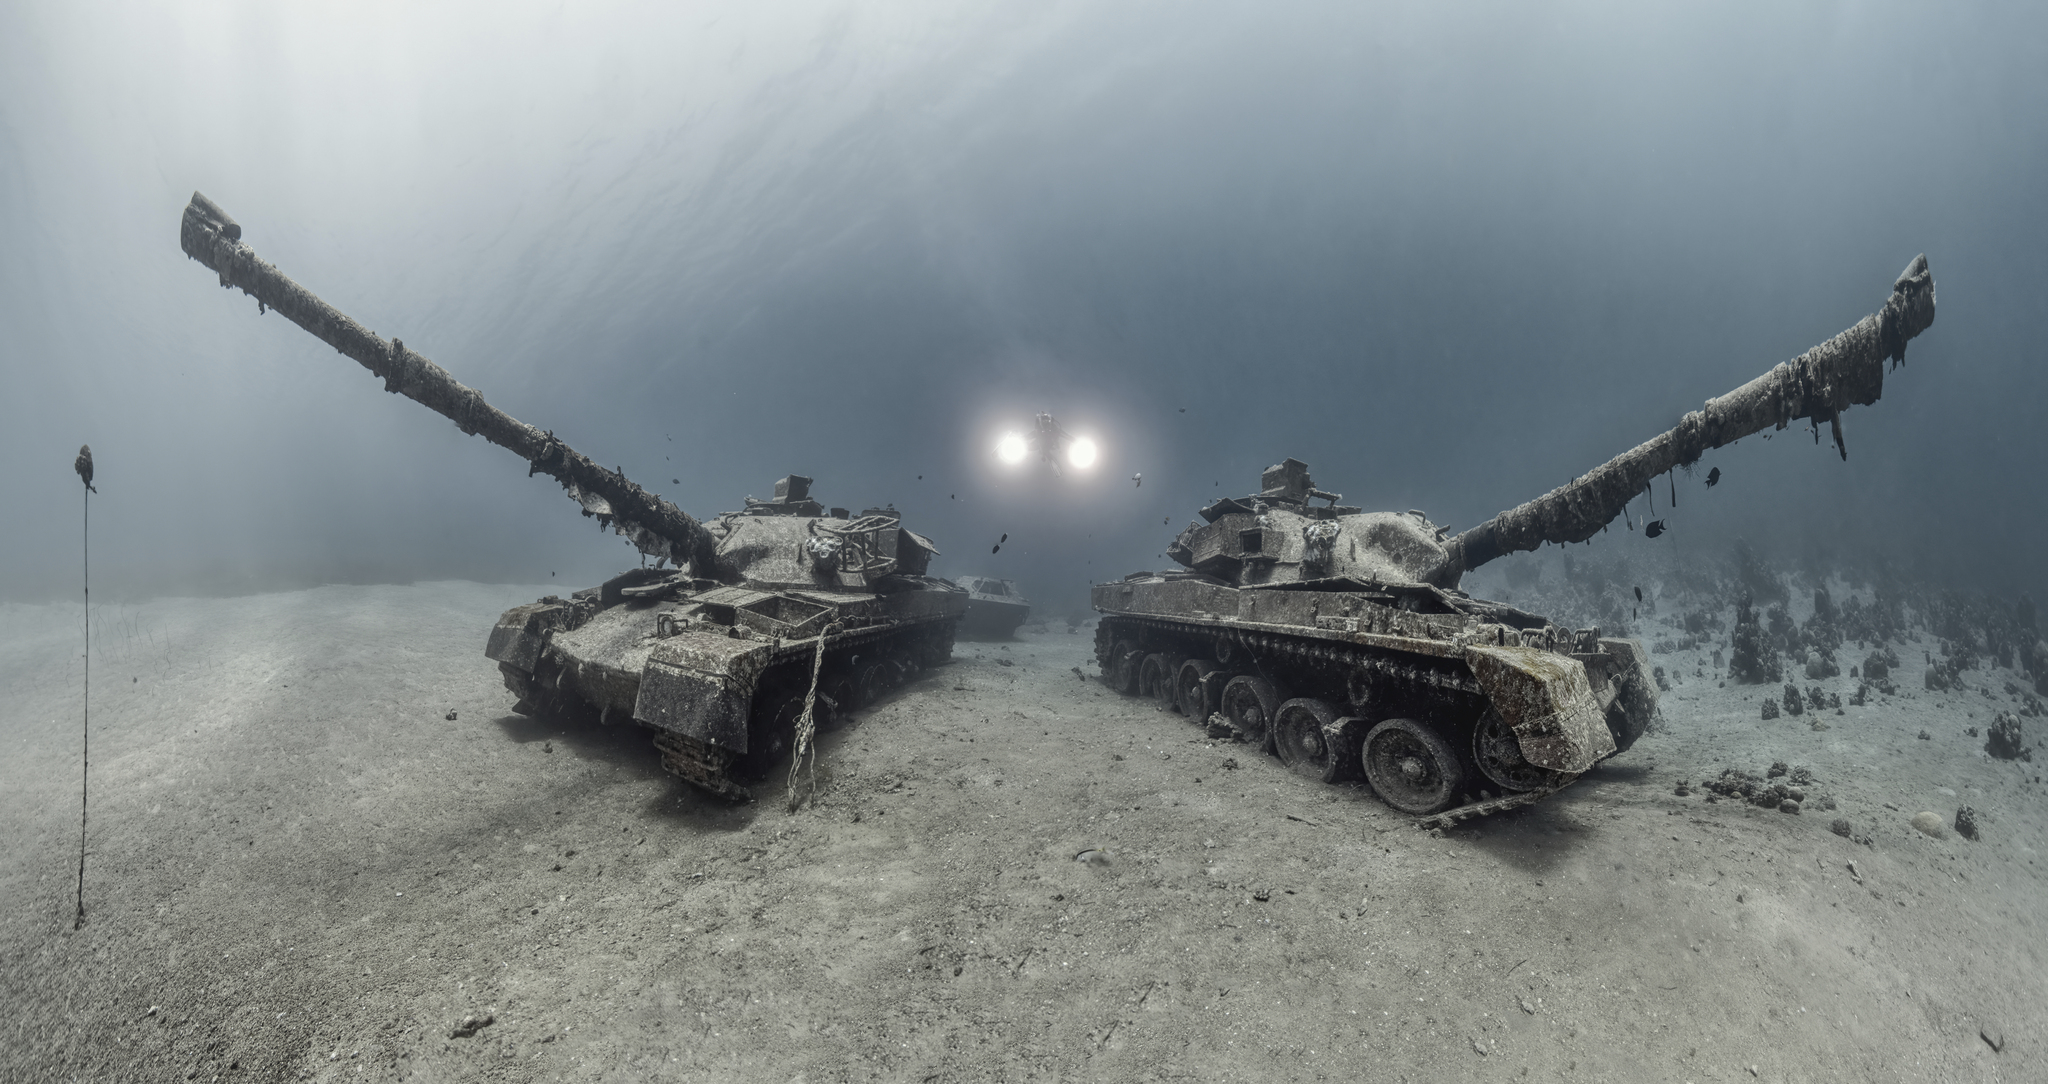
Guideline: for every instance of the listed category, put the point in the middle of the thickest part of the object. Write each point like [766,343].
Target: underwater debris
[472,1024]
[1753,660]
[1789,796]
[2006,740]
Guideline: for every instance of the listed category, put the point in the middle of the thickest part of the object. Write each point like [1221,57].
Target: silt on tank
[1339,640]
[743,636]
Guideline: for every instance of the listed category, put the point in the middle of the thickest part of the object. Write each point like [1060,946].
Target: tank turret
[1338,638]
[744,635]
[1281,536]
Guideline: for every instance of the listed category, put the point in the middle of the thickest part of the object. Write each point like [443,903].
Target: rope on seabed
[807,728]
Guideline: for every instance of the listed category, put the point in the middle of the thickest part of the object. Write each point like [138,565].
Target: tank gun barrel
[653,525]
[1847,370]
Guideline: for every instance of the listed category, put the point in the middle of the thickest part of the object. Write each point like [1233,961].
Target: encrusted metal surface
[699,646]
[1547,700]
[1362,608]
[1452,817]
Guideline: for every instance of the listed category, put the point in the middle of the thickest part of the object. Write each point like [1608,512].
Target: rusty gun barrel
[1847,370]
[653,525]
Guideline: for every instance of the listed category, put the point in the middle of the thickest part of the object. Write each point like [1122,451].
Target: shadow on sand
[1537,838]
[629,747]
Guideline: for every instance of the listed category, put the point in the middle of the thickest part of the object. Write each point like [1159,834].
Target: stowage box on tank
[1339,640]
[743,635]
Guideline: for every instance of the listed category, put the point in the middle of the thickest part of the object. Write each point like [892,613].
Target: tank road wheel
[935,648]
[835,700]
[1249,703]
[1411,767]
[1499,756]
[1122,674]
[1309,740]
[1191,689]
[1155,678]
[1358,688]
[873,677]
[770,733]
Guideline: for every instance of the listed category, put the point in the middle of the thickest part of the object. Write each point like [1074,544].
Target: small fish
[1639,594]
[997,548]
[1005,538]
[1137,480]
[1632,613]
[920,477]
[1168,520]
[1183,410]
[1713,477]
[1655,528]
[675,481]
[952,496]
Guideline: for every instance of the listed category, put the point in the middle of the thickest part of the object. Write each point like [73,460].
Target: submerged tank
[812,611]
[740,638]
[1339,639]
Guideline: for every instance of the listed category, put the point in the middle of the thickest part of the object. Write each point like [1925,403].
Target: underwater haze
[1450,255]
[1759,796]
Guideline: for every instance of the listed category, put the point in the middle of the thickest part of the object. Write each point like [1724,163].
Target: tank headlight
[1081,453]
[1011,448]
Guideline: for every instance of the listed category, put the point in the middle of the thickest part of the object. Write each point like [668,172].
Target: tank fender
[1635,688]
[1547,700]
[522,631]
[702,686]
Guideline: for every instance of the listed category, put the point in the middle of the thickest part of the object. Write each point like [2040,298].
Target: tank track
[1451,817]
[1443,675]
[700,765]
[1422,682]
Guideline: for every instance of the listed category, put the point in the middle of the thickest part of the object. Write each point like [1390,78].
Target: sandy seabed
[299,869]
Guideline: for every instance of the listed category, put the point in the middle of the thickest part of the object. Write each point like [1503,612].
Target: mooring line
[84,468]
